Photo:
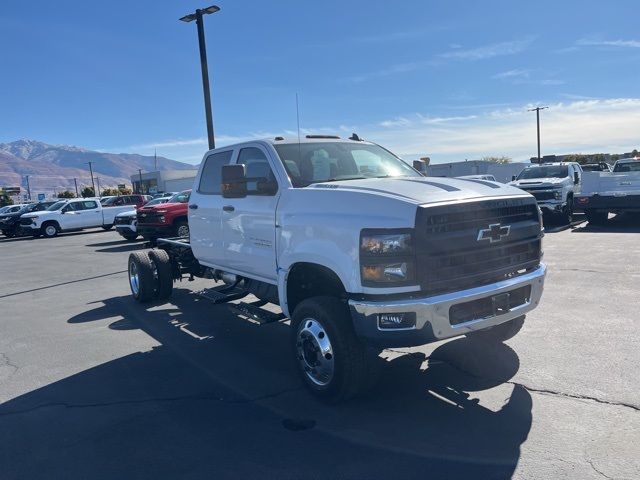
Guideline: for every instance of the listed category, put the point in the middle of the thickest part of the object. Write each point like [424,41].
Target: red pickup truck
[166,219]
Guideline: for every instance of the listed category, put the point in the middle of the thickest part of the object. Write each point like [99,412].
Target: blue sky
[449,79]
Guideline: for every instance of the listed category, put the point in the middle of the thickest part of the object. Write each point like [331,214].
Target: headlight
[161,218]
[558,194]
[385,244]
[386,258]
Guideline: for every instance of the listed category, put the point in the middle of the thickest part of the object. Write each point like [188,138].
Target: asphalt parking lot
[93,385]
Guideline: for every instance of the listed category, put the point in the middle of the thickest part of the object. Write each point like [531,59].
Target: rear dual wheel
[150,275]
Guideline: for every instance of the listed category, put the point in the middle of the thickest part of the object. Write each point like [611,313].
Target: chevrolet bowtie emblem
[494,233]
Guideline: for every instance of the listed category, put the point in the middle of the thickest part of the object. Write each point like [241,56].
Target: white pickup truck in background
[69,215]
[610,192]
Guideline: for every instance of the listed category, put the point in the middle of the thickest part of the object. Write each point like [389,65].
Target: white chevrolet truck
[611,192]
[554,185]
[357,248]
[70,215]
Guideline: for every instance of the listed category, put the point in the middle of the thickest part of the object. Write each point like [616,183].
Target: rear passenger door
[205,210]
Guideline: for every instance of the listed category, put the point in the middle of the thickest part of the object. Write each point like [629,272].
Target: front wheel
[182,229]
[130,236]
[49,230]
[107,227]
[499,333]
[566,216]
[331,360]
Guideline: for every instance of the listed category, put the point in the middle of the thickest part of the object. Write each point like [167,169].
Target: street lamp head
[203,11]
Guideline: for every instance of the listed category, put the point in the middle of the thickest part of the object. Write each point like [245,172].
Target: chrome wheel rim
[315,352]
[183,231]
[134,279]
[50,230]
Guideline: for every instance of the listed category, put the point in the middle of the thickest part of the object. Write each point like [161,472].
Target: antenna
[298,119]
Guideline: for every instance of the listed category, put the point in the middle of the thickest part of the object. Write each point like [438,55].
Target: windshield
[56,206]
[182,197]
[552,171]
[309,163]
[156,201]
[627,167]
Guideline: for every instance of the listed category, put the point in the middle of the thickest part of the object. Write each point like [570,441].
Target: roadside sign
[41,197]
[153,190]
[25,198]
[121,186]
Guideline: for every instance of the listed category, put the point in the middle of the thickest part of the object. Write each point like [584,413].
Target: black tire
[351,369]
[181,228]
[107,227]
[9,233]
[144,287]
[130,236]
[499,333]
[49,229]
[566,217]
[164,269]
[597,217]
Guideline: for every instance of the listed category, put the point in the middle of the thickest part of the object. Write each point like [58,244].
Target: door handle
[228,208]
[193,206]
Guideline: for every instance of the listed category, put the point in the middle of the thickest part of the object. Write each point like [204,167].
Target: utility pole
[197,16]
[92,184]
[140,189]
[537,110]
[76,184]
[98,182]
[155,159]
[28,187]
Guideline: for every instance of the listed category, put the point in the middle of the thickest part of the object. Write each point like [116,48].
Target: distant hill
[53,167]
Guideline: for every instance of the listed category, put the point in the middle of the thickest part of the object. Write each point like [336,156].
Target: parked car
[13,208]
[357,248]
[596,167]
[68,215]
[168,219]
[133,200]
[554,185]
[126,222]
[105,198]
[611,192]
[165,195]
[10,222]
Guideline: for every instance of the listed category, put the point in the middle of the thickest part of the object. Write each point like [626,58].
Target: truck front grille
[148,217]
[452,254]
[26,221]
[123,220]
[542,195]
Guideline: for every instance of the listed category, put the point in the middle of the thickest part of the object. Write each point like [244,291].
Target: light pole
[75,182]
[28,187]
[537,110]
[93,185]
[98,181]
[197,16]
[140,189]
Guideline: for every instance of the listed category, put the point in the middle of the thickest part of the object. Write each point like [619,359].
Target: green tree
[109,192]
[5,200]
[88,192]
[66,194]
[125,191]
[502,159]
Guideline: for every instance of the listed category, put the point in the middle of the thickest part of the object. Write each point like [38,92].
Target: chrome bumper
[432,313]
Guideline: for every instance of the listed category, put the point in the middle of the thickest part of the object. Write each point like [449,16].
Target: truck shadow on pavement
[219,398]
[617,224]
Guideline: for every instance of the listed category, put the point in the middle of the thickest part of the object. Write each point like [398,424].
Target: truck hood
[44,213]
[551,182]
[128,213]
[423,190]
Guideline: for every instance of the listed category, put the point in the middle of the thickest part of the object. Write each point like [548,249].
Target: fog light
[395,321]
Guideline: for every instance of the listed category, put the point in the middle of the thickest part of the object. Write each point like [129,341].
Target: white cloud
[585,42]
[583,126]
[517,73]
[489,51]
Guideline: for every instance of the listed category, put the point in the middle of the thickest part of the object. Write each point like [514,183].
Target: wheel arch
[305,280]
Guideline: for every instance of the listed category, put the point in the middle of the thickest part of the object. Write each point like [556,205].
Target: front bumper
[432,314]
[154,231]
[552,206]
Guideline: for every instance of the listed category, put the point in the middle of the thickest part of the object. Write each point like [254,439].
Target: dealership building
[163,181]
[503,172]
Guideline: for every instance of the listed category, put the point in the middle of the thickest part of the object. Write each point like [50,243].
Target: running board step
[223,294]
[253,311]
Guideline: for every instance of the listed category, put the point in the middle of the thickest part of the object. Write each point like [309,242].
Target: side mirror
[234,181]
[513,178]
[576,178]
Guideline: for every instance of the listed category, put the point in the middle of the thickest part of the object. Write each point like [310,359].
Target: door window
[256,166]
[211,178]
